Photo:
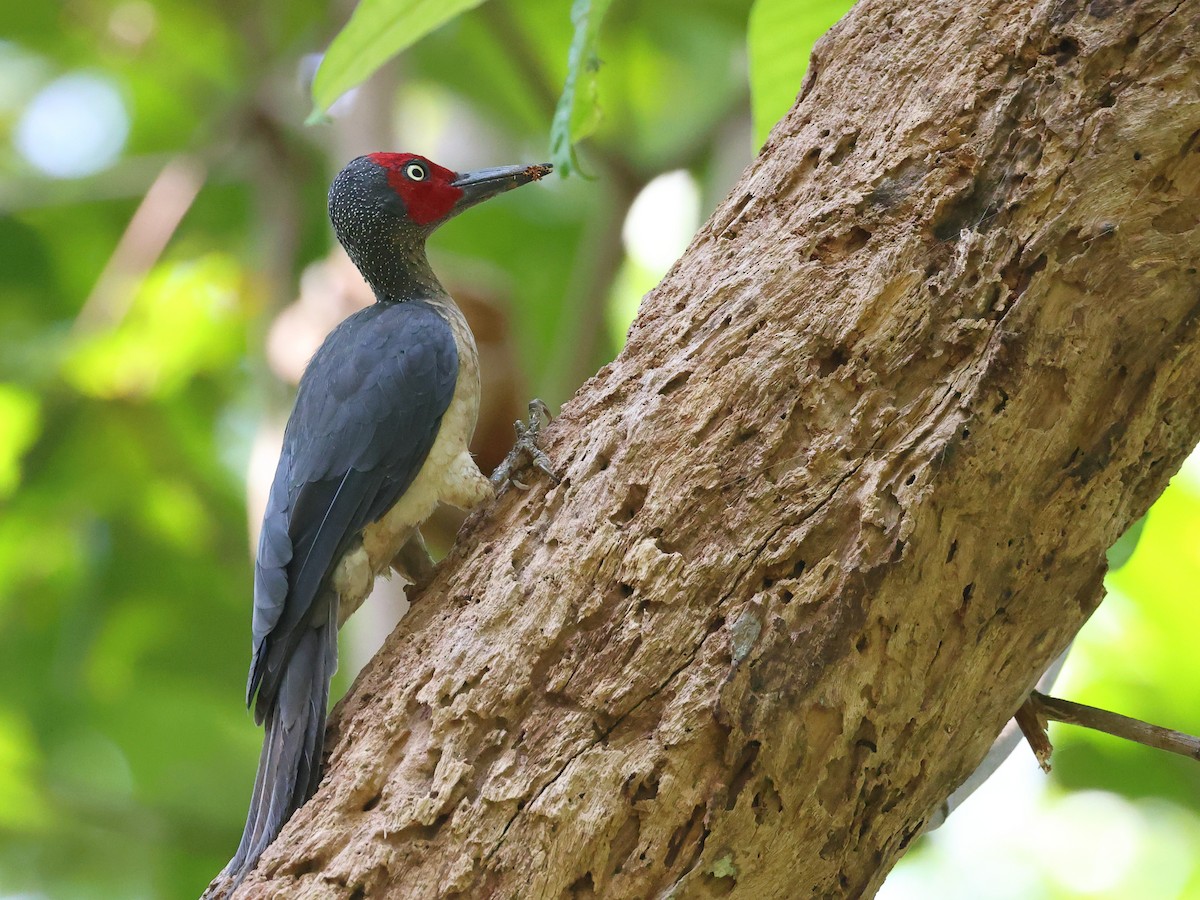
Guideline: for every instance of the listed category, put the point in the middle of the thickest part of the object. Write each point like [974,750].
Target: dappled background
[166,269]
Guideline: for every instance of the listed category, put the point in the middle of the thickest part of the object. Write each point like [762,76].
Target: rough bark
[842,497]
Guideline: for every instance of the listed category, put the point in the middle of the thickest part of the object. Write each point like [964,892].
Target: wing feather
[367,413]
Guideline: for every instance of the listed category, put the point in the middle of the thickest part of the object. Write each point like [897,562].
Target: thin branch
[1033,726]
[1044,708]
[154,222]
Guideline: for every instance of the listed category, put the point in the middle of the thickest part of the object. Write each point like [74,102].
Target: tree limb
[842,497]
[1054,709]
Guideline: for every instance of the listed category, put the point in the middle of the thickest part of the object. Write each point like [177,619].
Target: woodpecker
[377,438]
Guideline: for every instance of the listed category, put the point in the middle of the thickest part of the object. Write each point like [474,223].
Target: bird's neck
[395,267]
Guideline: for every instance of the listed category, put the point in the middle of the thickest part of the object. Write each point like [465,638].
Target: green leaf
[780,38]
[578,113]
[377,31]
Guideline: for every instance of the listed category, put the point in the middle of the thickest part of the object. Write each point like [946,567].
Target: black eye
[415,172]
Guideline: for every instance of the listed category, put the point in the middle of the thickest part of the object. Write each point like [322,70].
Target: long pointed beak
[486,183]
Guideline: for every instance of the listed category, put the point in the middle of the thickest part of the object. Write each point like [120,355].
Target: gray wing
[367,412]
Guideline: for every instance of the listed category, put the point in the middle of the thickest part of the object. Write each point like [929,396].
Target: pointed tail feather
[289,767]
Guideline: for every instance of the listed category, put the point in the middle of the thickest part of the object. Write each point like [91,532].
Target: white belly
[449,475]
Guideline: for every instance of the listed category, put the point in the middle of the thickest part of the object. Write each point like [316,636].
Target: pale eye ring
[415,172]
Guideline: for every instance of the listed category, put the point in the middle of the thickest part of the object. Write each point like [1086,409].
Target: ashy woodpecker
[378,437]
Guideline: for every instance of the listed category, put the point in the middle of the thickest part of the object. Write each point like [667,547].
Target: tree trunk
[843,496]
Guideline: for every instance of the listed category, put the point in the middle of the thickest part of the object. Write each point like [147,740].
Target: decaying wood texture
[842,497]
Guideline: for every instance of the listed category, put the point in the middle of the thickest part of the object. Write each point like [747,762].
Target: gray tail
[289,767]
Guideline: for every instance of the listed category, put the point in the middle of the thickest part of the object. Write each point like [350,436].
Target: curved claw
[525,452]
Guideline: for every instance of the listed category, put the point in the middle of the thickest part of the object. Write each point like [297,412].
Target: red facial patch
[427,201]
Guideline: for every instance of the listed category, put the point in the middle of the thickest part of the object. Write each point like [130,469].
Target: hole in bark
[843,149]
[829,364]
[966,433]
[583,886]
[832,249]
[974,210]
[744,769]
[857,239]
[966,594]
[648,789]
[910,479]
[745,434]
[798,568]
[633,503]
[909,835]
[1137,154]
[786,597]
[626,590]
[359,892]
[1018,278]
[1067,49]
[674,384]
[1107,100]
[663,544]
[623,844]
[680,837]
[767,802]
[373,802]
[866,736]
[429,832]
[861,644]
[950,554]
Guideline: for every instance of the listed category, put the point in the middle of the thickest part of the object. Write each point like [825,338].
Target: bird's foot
[413,563]
[525,452]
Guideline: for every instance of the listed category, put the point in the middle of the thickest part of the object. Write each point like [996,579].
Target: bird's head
[384,205]
[408,193]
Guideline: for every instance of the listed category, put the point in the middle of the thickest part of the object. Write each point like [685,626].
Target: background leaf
[578,112]
[377,31]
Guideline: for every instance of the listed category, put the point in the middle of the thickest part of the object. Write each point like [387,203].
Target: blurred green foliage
[377,31]
[143,255]
[577,114]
